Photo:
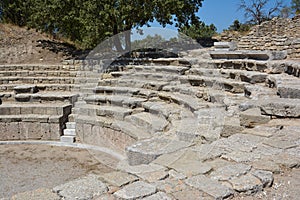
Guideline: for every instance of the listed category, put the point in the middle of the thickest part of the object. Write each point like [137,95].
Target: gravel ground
[30,167]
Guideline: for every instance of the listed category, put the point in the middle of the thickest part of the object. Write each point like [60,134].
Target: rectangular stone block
[253,117]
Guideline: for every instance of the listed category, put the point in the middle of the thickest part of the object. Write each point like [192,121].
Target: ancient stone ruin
[209,124]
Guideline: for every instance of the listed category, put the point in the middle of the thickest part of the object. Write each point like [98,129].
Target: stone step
[191,103]
[31,127]
[36,80]
[35,108]
[171,69]
[44,73]
[187,89]
[135,83]
[105,111]
[47,96]
[124,91]
[151,122]
[116,100]
[115,90]
[25,89]
[214,82]
[135,132]
[236,74]
[145,76]
[249,65]
[41,118]
[163,109]
[280,107]
[71,125]
[37,67]
[69,132]
[43,87]
[293,68]
[287,86]
[67,139]
[144,152]
[249,55]
[259,92]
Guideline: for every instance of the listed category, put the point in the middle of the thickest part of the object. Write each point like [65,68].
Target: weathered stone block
[281,107]
[253,117]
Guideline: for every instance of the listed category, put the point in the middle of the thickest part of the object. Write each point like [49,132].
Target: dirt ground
[30,167]
[27,46]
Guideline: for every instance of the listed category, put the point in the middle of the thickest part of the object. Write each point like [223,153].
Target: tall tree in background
[89,21]
[257,11]
[296,6]
[199,30]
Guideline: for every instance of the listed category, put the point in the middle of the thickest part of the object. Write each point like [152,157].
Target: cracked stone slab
[144,152]
[153,176]
[118,178]
[136,190]
[246,183]
[209,186]
[189,165]
[230,171]
[82,188]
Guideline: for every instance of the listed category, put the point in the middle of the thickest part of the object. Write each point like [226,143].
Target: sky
[222,13]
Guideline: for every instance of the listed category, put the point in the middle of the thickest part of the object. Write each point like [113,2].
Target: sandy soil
[29,167]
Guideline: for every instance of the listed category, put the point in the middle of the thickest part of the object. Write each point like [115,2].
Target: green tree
[88,22]
[258,11]
[238,26]
[199,30]
[296,6]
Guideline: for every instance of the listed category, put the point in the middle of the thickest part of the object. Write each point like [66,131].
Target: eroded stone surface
[135,190]
[209,186]
[82,188]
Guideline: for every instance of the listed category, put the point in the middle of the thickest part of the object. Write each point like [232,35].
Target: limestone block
[144,152]
[136,190]
[253,117]
[281,107]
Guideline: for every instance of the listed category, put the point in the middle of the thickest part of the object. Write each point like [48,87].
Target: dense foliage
[199,30]
[88,22]
[238,26]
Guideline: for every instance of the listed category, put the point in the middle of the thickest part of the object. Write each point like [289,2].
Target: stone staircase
[37,101]
[201,120]
[204,118]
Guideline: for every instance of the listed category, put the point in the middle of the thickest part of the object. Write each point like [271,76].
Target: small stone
[135,190]
[265,177]
[209,186]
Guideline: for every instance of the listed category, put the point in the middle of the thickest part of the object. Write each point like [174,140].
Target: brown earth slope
[22,45]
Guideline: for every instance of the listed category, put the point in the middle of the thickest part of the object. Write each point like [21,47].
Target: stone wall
[278,34]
